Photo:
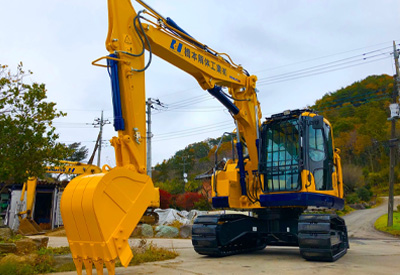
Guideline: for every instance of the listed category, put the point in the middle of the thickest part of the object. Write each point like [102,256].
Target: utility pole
[150,105]
[96,146]
[149,135]
[394,108]
[184,174]
[100,122]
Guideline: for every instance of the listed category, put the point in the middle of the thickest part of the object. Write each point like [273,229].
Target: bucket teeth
[99,266]
[110,267]
[88,265]
[78,265]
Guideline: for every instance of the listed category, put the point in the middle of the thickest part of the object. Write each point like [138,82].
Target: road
[360,224]
[371,252]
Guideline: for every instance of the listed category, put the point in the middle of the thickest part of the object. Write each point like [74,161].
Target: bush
[187,200]
[377,179]
[165,199]
[352,177]
[364,194]
[203,204]
[398,208]
[192,186]
[171,186]
[381,178]
[347,209]
[352,198]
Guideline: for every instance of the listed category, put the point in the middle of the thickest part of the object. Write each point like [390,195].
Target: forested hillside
[195,159]
[358,114]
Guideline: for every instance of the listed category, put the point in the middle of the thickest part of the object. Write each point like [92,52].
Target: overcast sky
[299,50]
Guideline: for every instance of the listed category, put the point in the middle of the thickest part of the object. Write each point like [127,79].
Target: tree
[79,152]
[28,140]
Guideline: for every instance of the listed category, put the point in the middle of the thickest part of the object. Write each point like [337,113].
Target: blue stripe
[220,202]
[302,199]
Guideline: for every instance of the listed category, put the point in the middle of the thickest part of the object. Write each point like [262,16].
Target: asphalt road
[360,224]
[371,252]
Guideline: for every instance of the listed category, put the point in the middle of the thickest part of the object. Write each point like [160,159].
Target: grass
[43,260]
[346,210]
[383,191]
[379,201]
[13,239]
[64,250]
[149,253]
[381,224]
[42,264]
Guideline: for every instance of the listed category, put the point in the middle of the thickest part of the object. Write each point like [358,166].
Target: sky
[299,50]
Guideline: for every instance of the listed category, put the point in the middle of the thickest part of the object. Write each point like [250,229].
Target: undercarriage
[320,237]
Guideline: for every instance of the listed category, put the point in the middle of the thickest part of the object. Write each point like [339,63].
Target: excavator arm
[100,211]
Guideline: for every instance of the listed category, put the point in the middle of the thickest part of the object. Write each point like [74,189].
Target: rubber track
[322,237]
[209,230]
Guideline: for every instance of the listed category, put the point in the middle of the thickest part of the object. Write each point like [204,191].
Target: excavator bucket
[100,212]
[29,227]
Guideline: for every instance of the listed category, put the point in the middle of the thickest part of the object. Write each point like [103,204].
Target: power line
[292,64]
[323,68]
[318,73]
[344,63]
[196,129]
[193,134]
[322,57]
[328,65]
[185,101]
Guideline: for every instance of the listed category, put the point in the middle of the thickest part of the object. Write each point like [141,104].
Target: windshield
[280,155]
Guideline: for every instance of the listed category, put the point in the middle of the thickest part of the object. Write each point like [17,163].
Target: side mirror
[317,122]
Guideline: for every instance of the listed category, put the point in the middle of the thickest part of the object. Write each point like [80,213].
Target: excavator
[282,166]
[27,225]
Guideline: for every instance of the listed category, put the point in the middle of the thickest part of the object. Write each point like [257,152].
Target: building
[46,208]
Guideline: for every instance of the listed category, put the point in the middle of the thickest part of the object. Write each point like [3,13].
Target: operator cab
[296,145]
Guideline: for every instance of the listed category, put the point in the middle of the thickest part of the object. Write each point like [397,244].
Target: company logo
[234,78]
[176,47]
[201,58]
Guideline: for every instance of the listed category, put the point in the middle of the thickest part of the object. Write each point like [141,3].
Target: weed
[149,253]
[14,268]
[45,263]
[64,250]
[8,268]
[176,224]
[13,239]
[346,210]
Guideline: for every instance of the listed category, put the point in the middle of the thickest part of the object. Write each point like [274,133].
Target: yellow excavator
[27,225]
[281,166]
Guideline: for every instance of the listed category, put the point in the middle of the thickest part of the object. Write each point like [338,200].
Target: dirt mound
[59,232]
